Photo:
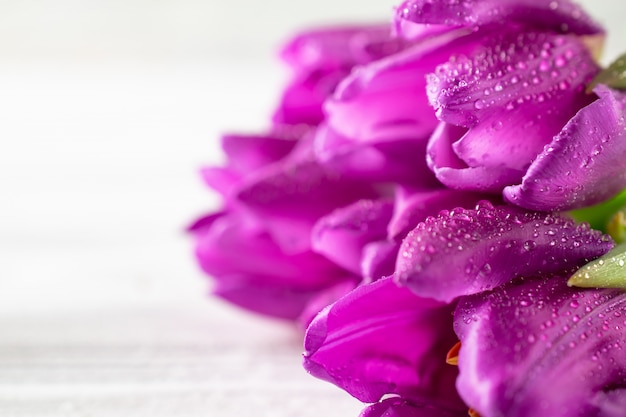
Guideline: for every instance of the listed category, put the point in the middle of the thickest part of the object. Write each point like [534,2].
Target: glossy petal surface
[342,235]
[584,164]
[505,104]
[463,252]
[540,348]
[413,206]
[559,15]
[382,339]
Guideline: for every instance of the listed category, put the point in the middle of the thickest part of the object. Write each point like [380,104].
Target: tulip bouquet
[438,203]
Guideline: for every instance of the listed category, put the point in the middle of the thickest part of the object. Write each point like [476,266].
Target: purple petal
[325,298]
[586,162]
[333,47]
[221,179]
[341,235]
[540,348]
[379,260]
[512,98]
[321,58]
[229,246]
[559,15]
[247,153]
[255,295]
[387,98]
[204,222]
[414,206]
[381,339]
[382,161]
[290,197]
[399,407]
[468,251]
[302,99]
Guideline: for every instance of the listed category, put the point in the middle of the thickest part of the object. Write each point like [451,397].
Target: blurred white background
[107,109]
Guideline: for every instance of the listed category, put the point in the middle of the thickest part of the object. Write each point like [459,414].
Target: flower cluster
[410,203]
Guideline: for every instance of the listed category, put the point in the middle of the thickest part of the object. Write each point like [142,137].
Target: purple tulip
[584,164]
[321,58]
[560,15]
[382,339]
[250,270]
[258,250]
[501,106]
[516,118]
[540,348]
[379,119]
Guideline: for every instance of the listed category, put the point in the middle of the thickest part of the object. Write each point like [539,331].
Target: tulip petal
[414,206]
[464,252]
[253,294]
[559,15]
[248,153]
[302,99]
[325,298]
[203,222]
[512,97]
[453,172]
[221,179]
[321,58]
[374,161]
[341,235]
[228,246]
[333,47]
[379,260]
[585,163]
[382,339]
[290,197]
[399,407]
[540,348]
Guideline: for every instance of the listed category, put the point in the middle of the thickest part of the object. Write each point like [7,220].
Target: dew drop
[530,245]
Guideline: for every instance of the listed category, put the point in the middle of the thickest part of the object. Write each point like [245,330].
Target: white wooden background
[107,108]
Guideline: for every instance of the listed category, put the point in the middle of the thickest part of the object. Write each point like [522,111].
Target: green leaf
[609,271]
[598,216]
[614,76]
